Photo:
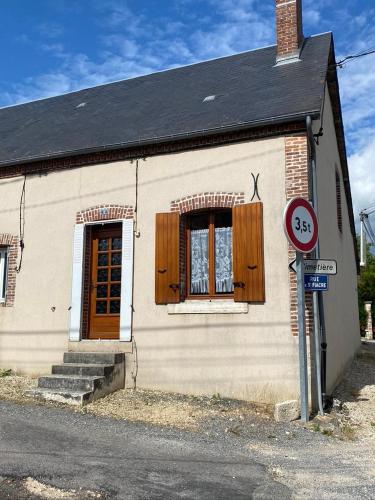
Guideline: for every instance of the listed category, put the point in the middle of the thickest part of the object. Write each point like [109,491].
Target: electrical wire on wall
[137,234]
[136,230]
[134,371]
[22,223]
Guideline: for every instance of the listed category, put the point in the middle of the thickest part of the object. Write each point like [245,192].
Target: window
[209,254]
[3,272]
[338,201]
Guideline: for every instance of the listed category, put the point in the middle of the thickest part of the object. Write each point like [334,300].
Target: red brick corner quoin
[297,186]
[11,242]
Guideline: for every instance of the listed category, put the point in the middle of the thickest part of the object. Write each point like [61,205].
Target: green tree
[366,288]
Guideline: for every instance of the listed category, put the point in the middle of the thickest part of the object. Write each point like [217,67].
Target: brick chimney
[288,30]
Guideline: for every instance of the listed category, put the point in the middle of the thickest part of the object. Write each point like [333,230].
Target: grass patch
[4,372]
[327,432]
[348,432]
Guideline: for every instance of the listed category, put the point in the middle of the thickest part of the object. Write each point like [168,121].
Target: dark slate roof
[250,90]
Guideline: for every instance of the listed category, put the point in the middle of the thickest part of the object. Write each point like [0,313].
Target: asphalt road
[125,460]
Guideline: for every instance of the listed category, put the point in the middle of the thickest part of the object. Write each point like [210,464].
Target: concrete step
[83,369]
[70,382]
[82,378]
[102,358]
[61,396]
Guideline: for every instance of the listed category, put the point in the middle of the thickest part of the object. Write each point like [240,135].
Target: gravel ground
[331,457]
[31,489]
[357,393]
[151,407]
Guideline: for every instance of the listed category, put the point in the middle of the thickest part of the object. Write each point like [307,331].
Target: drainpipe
[320,339]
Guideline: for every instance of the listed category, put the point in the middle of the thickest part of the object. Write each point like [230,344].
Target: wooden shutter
[167,275]
[248,260]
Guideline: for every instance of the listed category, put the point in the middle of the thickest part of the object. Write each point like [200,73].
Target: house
[145,217]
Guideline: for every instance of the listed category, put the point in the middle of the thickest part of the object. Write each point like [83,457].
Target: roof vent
[209,98]
[81,105]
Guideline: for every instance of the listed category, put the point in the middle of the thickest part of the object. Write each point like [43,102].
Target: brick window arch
[217,199]
[104,212]
[9,245]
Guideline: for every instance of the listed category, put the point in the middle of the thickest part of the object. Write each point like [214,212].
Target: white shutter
[76,302]
[126,312]
[3,274]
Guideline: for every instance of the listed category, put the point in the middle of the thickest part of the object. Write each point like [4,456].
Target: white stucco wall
[340,302]
[251,356]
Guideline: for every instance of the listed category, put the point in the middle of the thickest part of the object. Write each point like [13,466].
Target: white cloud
[132,43]
[50,30]
[362,178]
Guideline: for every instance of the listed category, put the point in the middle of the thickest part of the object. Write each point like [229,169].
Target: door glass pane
[102,275]
[115,290]
[101,291]
[102,259]
[116,243]
[116,259]
[101,307]
[102,244]
[116,274]
[114,307]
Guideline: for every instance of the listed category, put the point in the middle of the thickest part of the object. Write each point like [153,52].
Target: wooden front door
[105,286]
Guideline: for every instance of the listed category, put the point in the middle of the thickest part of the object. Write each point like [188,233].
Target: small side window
[338,201]
[3,272]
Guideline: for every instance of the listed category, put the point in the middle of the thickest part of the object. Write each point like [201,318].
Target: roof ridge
[176,68]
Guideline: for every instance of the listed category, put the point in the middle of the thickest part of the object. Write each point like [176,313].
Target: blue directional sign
[316,282]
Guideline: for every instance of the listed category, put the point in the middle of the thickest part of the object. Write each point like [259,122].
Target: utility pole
[366,228]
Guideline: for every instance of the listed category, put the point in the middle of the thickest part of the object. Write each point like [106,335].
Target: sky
[49,47]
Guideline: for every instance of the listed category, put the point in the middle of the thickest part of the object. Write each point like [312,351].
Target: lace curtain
[199,261]
[223,260]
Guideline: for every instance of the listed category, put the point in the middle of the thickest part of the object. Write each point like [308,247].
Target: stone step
[83,369]
[70,382]
[102,358]
[82,378]
[61,396]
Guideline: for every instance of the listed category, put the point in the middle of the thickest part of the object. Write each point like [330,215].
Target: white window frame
[4,255]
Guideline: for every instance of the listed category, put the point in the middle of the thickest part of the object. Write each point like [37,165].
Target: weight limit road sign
[301,225]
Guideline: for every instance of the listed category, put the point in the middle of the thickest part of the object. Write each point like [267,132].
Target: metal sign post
[302,338]
[301,229]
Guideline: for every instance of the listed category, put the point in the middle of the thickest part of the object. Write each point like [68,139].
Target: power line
[369,230]
[347,59]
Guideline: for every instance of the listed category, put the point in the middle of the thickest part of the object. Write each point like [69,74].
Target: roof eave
[297,117]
